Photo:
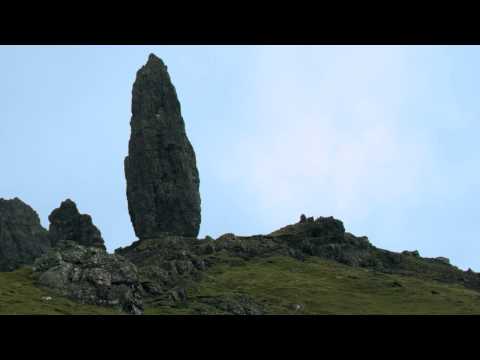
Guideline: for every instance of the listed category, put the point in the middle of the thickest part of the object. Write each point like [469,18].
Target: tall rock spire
[162,177]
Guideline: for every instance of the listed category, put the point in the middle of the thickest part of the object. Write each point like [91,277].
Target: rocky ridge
[170,265]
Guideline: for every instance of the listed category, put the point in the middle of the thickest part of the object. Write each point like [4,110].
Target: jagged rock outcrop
[414,253]
[324,226]
[66,223]
[166,265]
[90,275]
[443,260]
[22,238]
[170,265]
[160,169]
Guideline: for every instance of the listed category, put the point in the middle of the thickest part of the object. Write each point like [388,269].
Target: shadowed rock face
[66,223]
[22,238]
[160,169]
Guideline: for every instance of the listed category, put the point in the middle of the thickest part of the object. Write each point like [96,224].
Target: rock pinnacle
[160,169]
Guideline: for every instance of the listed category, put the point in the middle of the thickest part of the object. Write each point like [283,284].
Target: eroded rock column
[162,177]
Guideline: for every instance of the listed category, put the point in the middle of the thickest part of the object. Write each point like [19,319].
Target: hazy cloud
[328,137]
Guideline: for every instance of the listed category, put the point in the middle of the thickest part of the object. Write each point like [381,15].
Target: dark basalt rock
[443,260]
[66,223]
[413,253]
[160,169]
[90,275]
[169,264]
[166,264]
[322,226]
[22,238]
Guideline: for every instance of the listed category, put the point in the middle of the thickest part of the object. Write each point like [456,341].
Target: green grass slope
[280,285]
[19,296]
[287,286]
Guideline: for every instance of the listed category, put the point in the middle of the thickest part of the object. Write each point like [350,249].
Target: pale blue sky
[382,137]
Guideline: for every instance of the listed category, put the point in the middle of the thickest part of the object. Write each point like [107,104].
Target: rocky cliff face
[160,169]
[22,238]
[66,223]
[90,275]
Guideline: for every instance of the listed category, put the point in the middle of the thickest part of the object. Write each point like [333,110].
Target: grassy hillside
[280,285]
[286,286]
[19,296]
